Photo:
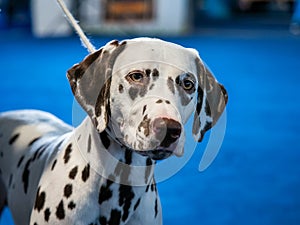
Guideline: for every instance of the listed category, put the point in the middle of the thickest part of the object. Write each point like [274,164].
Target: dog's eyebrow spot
[155,74]
[168,102]
[159,101]
[148,72]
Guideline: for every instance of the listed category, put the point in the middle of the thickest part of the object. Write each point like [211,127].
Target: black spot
[47,214]
[34,140]
[156,207]
[126,195]
[20,161]
[39,152]
[35,223]
[168,102]
[105,193]
[153,186]
[85,173]
[25,176]
[148,72]
[121,88]
[147,188]
[115,217]
[128,157]
[67,155]
[53,164]
[144,109]
[104,139]
[39,200]
[60,211]
[68,190]
[155,74]
[13,139]
[1,154]
[89,144]
[102,220]
[71,205]
[73,173]
[159,101]
[137,204]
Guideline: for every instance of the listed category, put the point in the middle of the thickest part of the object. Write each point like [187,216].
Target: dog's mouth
[157,154]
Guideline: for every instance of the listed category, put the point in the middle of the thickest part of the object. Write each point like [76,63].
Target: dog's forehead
[157,52]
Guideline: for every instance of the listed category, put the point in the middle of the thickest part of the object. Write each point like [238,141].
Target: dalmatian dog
[137,95]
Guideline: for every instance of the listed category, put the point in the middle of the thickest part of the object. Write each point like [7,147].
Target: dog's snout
[166,130]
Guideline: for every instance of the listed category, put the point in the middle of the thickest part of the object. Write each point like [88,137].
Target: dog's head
[142,91]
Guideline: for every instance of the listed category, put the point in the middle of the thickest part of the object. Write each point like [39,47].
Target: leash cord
[74,24]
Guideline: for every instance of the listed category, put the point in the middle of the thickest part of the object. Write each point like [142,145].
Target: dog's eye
[187,84]
[136,76]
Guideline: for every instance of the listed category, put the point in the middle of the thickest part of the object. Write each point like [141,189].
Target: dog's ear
[90,82]
[211,101]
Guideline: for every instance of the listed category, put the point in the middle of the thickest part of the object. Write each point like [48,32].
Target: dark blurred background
[252,47]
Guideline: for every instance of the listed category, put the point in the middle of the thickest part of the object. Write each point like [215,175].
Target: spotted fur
[137,94]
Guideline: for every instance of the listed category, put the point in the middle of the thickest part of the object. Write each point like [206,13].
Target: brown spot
[146,125]
[121,88]
[170,84]
[133,92]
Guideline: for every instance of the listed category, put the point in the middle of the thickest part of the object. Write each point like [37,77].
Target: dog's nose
[166,130]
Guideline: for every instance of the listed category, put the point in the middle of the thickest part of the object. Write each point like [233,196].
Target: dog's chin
[156,154]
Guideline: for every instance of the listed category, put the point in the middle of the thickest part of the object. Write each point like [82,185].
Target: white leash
[85,41]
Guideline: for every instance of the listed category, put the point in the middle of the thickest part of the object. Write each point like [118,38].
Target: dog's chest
[73,188]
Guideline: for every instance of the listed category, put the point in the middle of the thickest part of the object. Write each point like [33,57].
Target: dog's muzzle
[167,132]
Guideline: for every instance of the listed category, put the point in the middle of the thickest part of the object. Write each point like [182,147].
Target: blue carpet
[255,178]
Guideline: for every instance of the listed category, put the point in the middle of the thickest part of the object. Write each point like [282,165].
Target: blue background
[255,178]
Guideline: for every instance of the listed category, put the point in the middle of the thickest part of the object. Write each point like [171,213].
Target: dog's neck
[110,159]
